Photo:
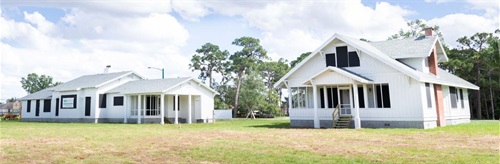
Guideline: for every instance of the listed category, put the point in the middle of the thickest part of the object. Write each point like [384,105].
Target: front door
[345,101]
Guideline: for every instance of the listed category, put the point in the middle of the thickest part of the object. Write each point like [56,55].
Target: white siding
[417,63]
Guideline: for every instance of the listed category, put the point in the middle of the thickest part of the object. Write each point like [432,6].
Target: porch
[163,108]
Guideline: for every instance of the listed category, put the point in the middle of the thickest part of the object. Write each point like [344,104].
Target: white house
[122,97]
[393,84]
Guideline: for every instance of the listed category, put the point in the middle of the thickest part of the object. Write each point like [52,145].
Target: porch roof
[154,86]
[343,72]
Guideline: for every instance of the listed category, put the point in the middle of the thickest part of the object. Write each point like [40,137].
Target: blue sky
[68,39]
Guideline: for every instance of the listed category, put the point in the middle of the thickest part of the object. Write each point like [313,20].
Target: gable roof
[154,86]
[91,81]
[8,105]
[43,94]
[371,50]
[410,47]
[342,71]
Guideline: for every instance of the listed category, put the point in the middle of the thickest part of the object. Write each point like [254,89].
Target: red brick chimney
[429,31]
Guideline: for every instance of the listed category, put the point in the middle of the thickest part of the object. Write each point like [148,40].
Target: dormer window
[343,58]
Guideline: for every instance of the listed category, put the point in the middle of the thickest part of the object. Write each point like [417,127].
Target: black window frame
[453,97]
[102,100]
[37,108]
[342,56]
[118,100]
[383,95]
[57,106]
[47,105]
[28,106]
[69,96]
[428,95]
[353,59]
[462,97]
[331,59]
[361,97]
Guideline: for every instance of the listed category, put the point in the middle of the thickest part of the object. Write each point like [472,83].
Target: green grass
[244,141]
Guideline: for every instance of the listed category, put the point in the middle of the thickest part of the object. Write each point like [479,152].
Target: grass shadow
[273,125]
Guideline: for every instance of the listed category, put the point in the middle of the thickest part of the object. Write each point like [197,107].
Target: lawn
[244,141]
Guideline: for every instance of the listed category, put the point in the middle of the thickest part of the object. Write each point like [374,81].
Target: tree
[248,58]
[272,71]
[299,59]
[13,99]
[252,93]
[416,29]
[210,59]
[34,83]
[475,60]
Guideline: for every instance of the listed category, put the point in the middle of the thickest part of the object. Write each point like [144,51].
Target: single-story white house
[384,84]
[122,97]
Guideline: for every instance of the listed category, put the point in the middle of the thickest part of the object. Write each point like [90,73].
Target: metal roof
[43,94]
[90,81]
[148,86]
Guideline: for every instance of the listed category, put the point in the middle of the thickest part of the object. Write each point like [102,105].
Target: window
[118,101]
[428,93]
[178,102]
[462,98]
[299,97]
[68,101]
[343,58]
[382,95]
[28,106]
[361,97]
[46,105]
[37,108]
[331,97]
[353,59]
[102,100]
[330,59]
[453,97]
[57,106]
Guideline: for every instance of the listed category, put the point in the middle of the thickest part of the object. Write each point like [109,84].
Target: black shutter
[37,108]
[46,105]
[361,97]
[330,59]
[379,95]
[353,59]
[329,97]
[57,106]
[387,99]
[342,57]
[28,106]
[322,98]
[102,100]
[335,97]
[87,106]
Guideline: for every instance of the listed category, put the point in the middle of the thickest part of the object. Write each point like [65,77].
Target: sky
[68,39]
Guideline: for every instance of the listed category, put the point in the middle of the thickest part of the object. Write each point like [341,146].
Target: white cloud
[438,1]
[88,38]
[491,7]
[454,26]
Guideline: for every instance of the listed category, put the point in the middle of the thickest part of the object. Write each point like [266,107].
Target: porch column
[189,110]
[162,108]
[365,95]
[357,121]
[125,104]
[144,107]
[325,97]
[176,109]
[289,97]
[139,105]
[315,104]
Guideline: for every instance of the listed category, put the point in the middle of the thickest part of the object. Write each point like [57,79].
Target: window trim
[69,96]
[118,97]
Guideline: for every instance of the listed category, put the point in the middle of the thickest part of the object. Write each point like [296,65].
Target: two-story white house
[386,84]
[121,97]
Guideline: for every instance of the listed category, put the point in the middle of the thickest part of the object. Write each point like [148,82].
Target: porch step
[343,122]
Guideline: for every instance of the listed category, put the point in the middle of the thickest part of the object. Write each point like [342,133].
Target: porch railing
[335,114]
